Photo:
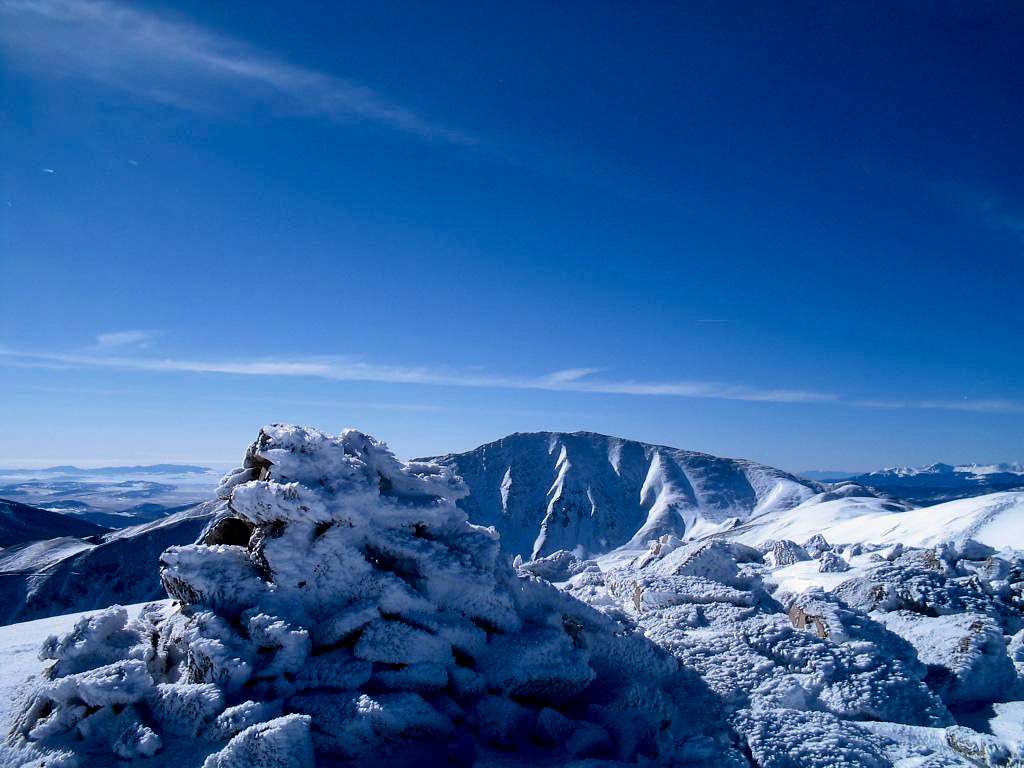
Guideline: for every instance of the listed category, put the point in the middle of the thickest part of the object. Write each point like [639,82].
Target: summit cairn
[341,610]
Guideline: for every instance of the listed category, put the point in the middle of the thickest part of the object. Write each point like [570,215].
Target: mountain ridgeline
[546,491]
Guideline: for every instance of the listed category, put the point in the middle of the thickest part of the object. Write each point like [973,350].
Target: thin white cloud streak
[182,64]
[990,405]
[574,380]
[341,369]
[123,339]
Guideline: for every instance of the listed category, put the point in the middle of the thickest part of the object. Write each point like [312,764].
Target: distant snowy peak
[583,491]
[968,470]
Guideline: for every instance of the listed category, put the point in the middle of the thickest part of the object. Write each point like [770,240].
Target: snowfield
[340,607]
[996,519]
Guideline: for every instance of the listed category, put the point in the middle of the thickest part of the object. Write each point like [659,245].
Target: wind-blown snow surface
[546,491]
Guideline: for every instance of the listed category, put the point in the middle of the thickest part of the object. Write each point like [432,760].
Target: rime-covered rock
[558,566]
[832,562]
[817,545]
[753,652]
[783,552]
[345,610]
[965,653]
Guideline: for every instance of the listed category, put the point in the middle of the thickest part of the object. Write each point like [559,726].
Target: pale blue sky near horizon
[790,233]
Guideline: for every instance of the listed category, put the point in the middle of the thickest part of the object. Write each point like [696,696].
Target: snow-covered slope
[67,574]
[20,522]
[546,491]
[996,519]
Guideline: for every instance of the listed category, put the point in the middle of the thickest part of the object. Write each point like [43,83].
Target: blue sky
[794,234]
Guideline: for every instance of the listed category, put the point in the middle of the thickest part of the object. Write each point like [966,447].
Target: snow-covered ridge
[65,574]
[973,470]
[21,522]
[546,491]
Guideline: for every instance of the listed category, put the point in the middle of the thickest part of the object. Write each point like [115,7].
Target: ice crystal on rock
[345,609]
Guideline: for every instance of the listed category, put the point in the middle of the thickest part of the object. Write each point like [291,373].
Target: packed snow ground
[340,609]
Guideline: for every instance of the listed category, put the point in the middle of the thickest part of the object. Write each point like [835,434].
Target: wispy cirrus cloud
[124,340]
[970,405]
[574,380]
[580,380]
[180,63]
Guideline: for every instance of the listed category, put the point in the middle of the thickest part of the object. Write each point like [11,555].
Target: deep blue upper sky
[794,233]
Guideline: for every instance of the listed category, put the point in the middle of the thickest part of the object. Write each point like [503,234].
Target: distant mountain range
[115,497]
[938,482]
[141,469]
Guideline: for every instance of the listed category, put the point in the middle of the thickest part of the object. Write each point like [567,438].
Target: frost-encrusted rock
[752,652]
[817,545]
[933,582]
[832,562]
[558,566]
[783,552]
[715,559]
[346,610]
[965,653]
[795,682]
[787,738]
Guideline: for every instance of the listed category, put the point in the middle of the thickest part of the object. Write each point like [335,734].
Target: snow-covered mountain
[543,492]
[546,491]
[21,522]
[64,574]
[943,482]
